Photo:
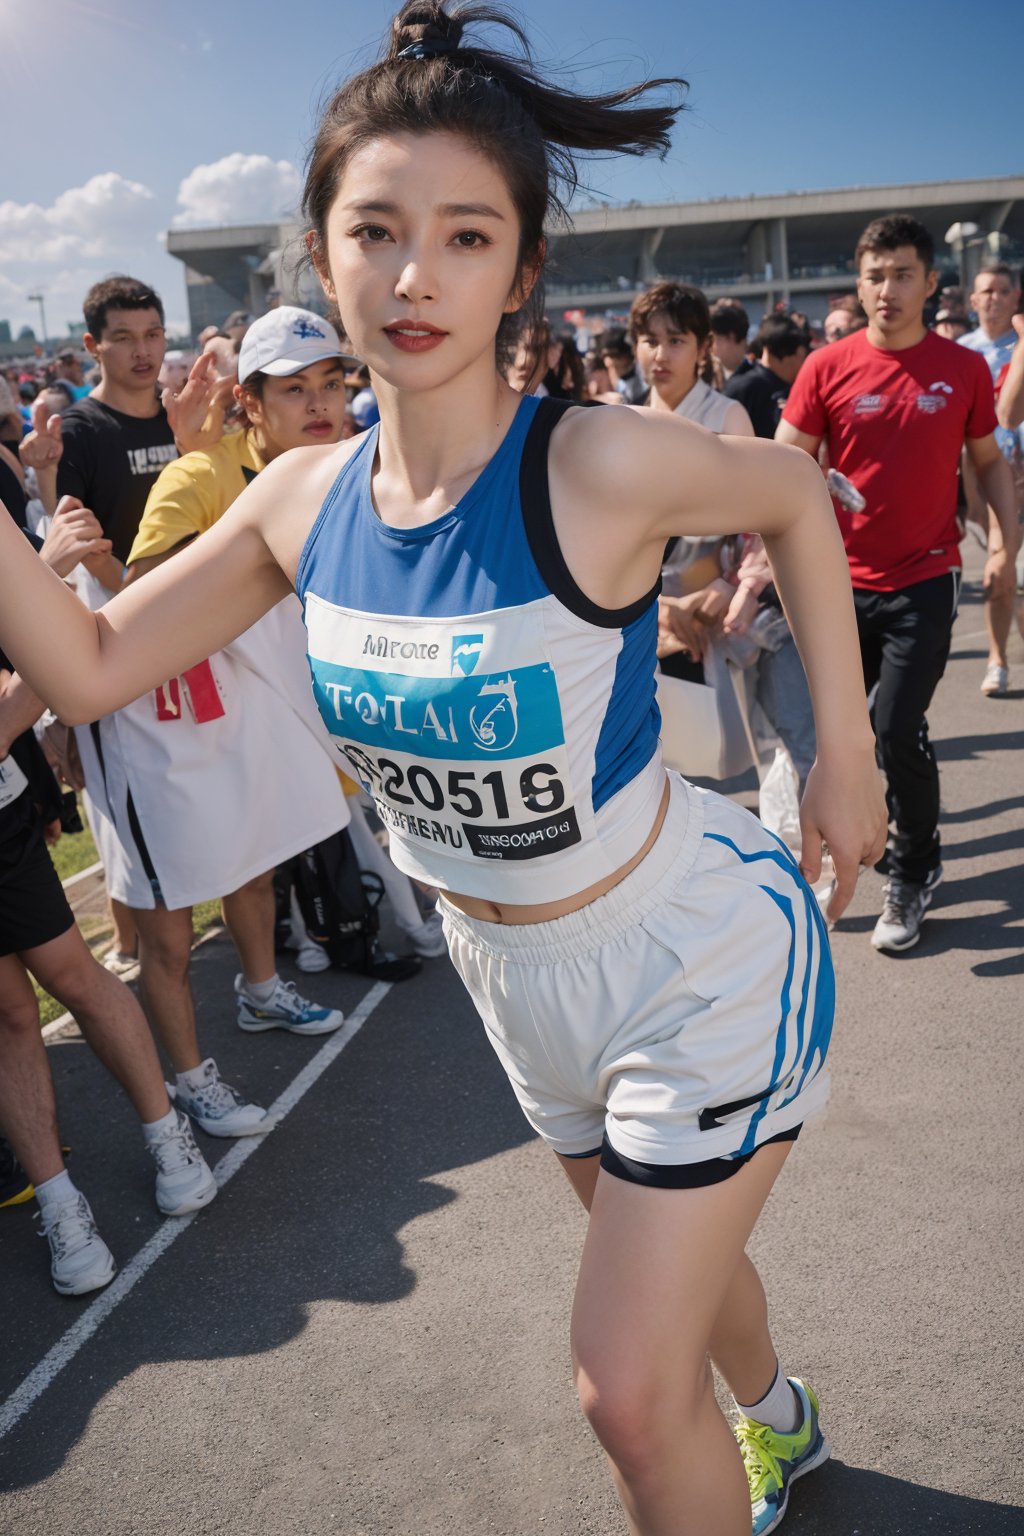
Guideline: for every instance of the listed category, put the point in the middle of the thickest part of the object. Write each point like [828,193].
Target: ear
[527,278]
[318,256]
[90,344]
[932,284]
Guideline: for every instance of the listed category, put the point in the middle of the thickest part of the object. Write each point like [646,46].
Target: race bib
[454,727]
[12,782]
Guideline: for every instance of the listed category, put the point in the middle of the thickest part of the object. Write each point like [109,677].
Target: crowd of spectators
[115,455]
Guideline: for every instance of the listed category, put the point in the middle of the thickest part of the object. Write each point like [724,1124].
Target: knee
[18,1021]
[169,954]
[639,1414]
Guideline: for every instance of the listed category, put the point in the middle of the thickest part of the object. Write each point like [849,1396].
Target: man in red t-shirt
[896,404]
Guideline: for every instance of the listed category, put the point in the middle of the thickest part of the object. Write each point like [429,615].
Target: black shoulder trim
[535,500]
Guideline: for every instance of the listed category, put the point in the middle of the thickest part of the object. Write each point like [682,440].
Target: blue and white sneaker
[285,1010]
[774,1461]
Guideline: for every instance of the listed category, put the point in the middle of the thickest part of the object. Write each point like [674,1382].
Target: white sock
[56,1191]
[194,1079]
[152,1130]
[780,1407]
[261,991]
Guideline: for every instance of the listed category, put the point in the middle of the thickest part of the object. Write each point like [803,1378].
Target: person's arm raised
[84,665]
[678,479]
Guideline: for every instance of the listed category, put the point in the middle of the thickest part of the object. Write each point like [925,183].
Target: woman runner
[479,579]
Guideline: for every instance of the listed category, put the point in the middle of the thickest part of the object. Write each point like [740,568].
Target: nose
[416,282]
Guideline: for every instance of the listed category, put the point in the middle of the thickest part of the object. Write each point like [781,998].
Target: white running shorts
[681,1018]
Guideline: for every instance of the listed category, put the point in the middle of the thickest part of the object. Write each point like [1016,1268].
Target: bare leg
[998,619]
[108,1016]
[126,937]
[165,947]
[249,915]
[657,1267]
[741,1344]
[28,1110]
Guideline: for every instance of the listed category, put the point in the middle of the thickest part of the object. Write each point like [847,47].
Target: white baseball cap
[285,340]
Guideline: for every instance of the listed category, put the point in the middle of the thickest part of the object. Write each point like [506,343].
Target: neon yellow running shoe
[774,1461]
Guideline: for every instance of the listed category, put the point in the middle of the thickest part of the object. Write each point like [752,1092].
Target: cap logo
[304,329]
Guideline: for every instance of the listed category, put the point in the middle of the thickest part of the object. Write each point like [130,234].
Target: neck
[433,443]
[668,399]
[993,332]
[130,402]
[908,335]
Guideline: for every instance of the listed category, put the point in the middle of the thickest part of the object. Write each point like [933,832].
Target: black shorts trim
[681,1175]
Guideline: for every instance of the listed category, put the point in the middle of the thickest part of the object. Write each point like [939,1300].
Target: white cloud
[92,220]
[236,190]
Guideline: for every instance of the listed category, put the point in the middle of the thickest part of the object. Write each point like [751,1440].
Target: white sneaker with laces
[220,1110]
[906,902]
[428,939]
[286,1009]
[184,1181]
[80,1260]
[118,963]
[996,680]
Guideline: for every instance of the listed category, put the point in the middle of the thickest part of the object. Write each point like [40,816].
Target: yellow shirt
[192,492]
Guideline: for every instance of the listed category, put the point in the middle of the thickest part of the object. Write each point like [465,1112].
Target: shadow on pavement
[855,1499]
[312,1217]
[968,748]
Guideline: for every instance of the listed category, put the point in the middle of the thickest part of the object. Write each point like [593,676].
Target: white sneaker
[311,957]
[286,1009]
[184,1181]
[220,1110]
[428,939]
[996,680]
[118,963]
[80,1260]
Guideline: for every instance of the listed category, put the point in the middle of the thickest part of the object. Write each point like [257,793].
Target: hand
[1000,578]
[51,832]
[677,616]
[715,600]
[196,412]
[1017,322]
[844,808]
[742,611]
[668,645]
[61,751]
[74,535]
[42,447]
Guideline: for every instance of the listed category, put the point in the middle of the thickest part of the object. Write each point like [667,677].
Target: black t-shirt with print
[110,462]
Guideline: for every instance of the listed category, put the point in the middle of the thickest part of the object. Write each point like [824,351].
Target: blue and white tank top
[505,726]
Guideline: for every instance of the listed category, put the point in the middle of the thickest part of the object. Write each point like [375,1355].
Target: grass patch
[73,852]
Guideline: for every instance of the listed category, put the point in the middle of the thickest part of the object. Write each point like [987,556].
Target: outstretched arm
[84,665]
[1010,404]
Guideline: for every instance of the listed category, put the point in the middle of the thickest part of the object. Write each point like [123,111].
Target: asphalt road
[366,1332]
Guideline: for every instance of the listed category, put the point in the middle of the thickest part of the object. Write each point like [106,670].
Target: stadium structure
[792,248]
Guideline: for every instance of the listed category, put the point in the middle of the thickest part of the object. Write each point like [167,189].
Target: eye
[471,239]
[372,234]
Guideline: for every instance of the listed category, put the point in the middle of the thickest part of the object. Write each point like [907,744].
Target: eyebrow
[446,210]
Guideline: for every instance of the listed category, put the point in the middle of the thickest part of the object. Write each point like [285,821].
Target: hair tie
[427,48]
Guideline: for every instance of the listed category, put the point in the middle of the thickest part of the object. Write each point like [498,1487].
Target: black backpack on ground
[339,902]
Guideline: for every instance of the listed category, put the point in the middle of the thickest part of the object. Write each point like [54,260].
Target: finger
[39,418]
[810,851]
[67,504]
[847,870]
[54,428]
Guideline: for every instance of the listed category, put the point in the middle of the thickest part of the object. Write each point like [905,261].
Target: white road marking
[67,1347]
[83,874]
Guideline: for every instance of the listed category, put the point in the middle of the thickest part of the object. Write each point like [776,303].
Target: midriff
[547,911]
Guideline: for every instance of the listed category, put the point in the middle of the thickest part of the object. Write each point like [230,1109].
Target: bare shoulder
[283,503]
[610,455]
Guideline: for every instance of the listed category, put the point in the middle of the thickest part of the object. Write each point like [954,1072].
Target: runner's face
[669,358]
[422,257]
[131,348]
[306,407]
[893,287]
[994,300]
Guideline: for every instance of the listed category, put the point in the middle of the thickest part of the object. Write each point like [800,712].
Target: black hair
[614,343]
[431,81]
[730,319]
[779,337]
[897,229]
[117,292]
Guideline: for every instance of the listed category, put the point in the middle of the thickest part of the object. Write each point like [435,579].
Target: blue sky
[131,115]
